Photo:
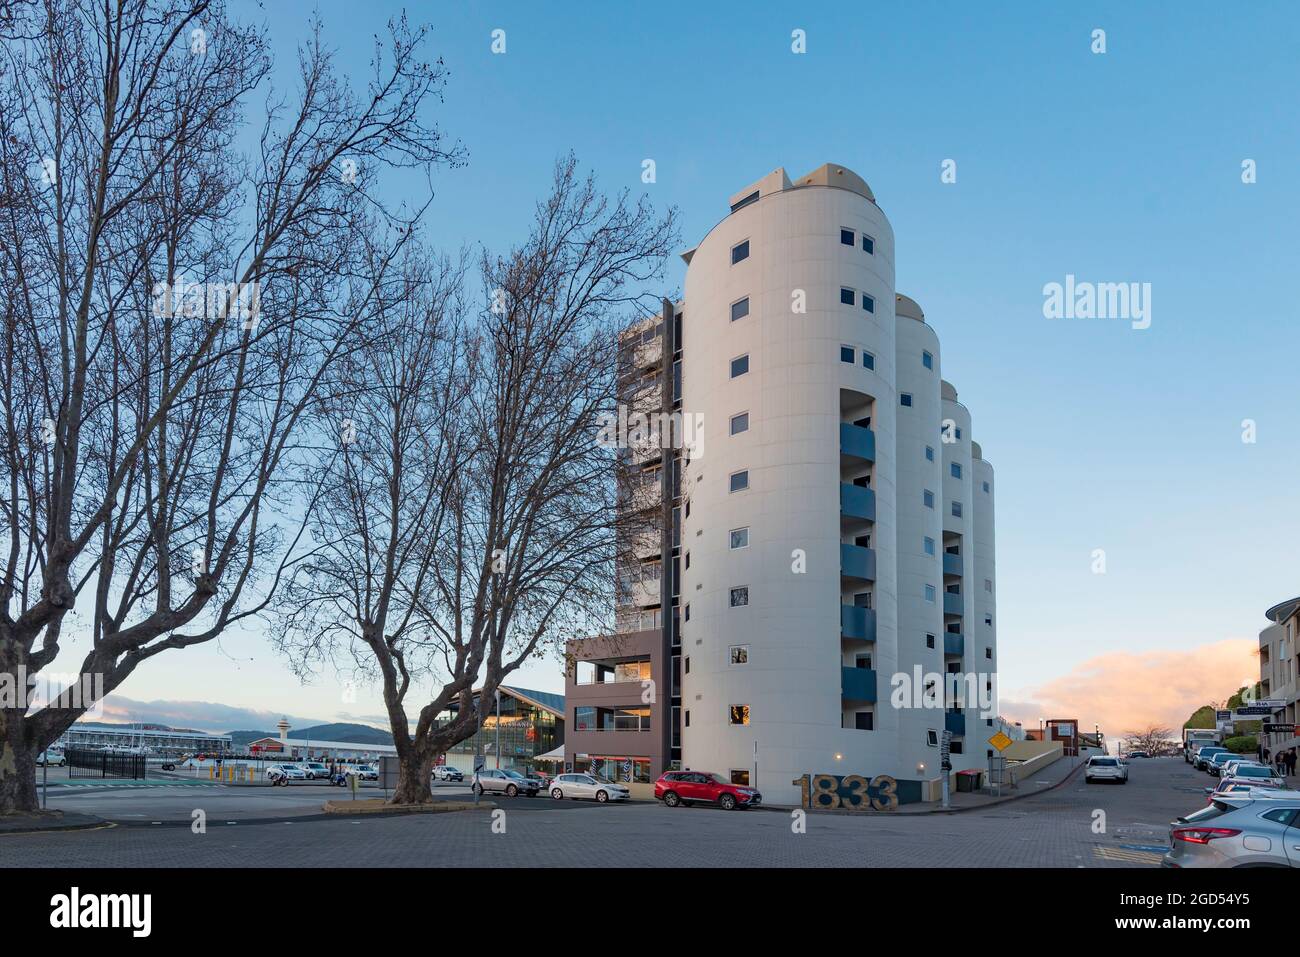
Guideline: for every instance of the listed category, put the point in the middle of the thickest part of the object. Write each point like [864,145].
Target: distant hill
[354,733]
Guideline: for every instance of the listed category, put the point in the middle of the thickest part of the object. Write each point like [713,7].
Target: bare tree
[1155,740]
[171,308]
[473,522]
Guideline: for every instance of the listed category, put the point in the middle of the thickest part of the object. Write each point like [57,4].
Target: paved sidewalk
[49,821]
[1052,776]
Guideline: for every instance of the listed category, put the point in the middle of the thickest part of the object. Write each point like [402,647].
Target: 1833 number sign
[852,792]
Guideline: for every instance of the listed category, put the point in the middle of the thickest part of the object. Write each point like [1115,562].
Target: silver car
[586,786]
[1102,767]
[1258,829]
[499,782]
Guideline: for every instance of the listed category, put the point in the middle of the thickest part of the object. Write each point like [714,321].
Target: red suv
[690,787]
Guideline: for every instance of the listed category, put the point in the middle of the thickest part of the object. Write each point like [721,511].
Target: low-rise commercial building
[1279,674]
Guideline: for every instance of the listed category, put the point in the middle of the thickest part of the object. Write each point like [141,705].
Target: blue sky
[1124,166]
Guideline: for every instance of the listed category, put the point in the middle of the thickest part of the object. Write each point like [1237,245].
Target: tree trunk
[414,774]
[17,766]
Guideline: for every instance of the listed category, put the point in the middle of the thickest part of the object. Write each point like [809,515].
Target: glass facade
[525,732]
[621,769]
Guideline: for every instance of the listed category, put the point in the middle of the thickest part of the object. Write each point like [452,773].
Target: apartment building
[1279,673]
[820,596]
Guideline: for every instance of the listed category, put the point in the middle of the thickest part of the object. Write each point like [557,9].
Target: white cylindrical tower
[984,629]
[789,586]
[958,572]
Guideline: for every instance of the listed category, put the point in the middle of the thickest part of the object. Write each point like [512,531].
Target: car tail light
[1202,835]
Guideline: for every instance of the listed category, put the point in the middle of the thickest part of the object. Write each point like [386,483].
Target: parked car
[699,787]
[1138,754]
[1203,755]
[502,782]
[1258,773]
[51,757]
[366,772]
[1237,762]
[1259,829]
[1216,764]
[445,772]
[282,774]
[314,770]
[1101,767]
[587,786]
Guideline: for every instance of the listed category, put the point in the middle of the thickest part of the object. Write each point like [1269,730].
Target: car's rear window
[1207,813]
[1104,762]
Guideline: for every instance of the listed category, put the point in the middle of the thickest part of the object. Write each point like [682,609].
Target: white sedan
[585,786]
[1105,768]
[282,774]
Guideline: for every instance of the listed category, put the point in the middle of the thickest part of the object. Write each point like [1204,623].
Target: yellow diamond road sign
[1000,741]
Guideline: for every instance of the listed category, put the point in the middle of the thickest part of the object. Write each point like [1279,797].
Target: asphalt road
[1075,825]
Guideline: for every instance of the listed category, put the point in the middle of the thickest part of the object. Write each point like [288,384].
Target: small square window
[864,721]
[739,654]
[929,594]
[932,737]
[929,545]
[740,423]
[740,309]
[739,251]
[686,612]
[738,714]
[905,398]
[740,537]
[988,653]
[847,355]
[739,366]
[955,469]
[986,487]
[868,303]
[927,360]
[847,296]
[929,454]
[868,360]
[988,584]
[740,596]
[927,498]
[988,620]
[868,244]
[958,431]
[740,480]
[956,509]
[929,641]
[688,561]
[846,237]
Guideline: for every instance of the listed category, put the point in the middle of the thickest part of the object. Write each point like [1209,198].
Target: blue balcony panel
[858,684]
[955,722]
[953,644]
[857,441]
[858,562]
[952,564]
[857,622]
[953,604]
[857,502]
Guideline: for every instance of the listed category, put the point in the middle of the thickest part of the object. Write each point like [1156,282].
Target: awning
[556,756]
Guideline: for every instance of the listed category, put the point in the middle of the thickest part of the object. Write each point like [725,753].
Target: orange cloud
[1128,691]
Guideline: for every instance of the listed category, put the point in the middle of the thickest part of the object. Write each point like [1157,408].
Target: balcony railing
[858,684]
[953,644]
[952,564]
[953,604]
[954,722]
[857,441]
[857,502]
[858,562]
[858,622]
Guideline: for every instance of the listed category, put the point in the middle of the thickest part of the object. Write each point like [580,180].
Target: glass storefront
[525,732]
[621,769]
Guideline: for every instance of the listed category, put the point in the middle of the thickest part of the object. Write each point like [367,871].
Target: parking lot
[282,827]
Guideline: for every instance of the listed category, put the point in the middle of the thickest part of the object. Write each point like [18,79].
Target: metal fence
[84,763]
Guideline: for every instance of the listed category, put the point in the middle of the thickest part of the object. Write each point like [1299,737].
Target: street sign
[1278,728]
[1000,741]
[1246,712]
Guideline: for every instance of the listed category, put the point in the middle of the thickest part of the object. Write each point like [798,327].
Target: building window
[739,252]
[740,596]
[740,538]
[740,204]
[929,545]
[739,654]
[740,480]
[988,653]
[686,721]
[864,721]
[740,423]
[988,584]
[847,355]
[929,641]
[738,714]
[868,303]
[927,498]
[740,309]
[739,366]
[868,244]
[927,360]
[686,612]
[957,431]
[847,296]
[955,469]
[868,360]
[740,777]
[988,620]
[905,398]
[846,237]
[932,737]
[929,594]
[986,487]
[687,665]
[688,560]
[956,509]
[929,453]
